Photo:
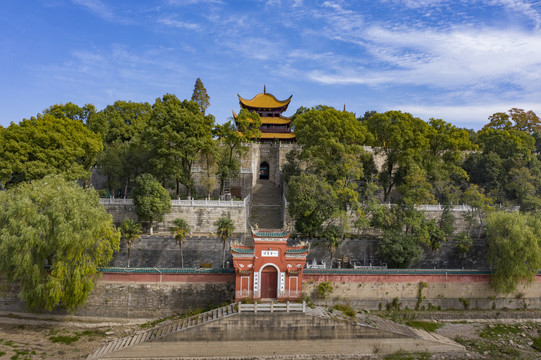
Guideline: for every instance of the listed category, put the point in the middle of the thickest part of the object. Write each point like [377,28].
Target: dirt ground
[486,334]
[27,336]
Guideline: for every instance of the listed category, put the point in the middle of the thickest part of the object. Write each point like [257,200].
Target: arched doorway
[264,170]
[269,282]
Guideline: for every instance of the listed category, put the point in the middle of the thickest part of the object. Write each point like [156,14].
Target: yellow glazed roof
[271,120]
[277,135]
[264,100]
[275,120]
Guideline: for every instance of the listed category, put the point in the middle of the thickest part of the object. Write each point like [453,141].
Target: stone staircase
[266,207]
[163,329]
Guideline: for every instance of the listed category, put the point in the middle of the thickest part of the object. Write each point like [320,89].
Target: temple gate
[270,269]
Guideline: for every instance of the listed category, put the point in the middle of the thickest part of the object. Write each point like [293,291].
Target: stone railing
[272,307]
[113,201]
[200,203]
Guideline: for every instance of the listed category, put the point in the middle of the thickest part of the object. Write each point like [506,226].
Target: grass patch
[537,343]
[498,330]
[92,333]
[495,351]
[402,355]
[2,353]
[64,339]
[424,325]
[346,310]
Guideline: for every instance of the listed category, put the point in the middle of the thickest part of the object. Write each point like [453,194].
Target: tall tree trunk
[126,187]
[129,255]
[223,259]
[181,256]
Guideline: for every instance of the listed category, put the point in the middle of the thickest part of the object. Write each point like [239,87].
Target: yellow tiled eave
[264,101]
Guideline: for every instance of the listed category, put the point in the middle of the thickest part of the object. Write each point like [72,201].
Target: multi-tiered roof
[274,127]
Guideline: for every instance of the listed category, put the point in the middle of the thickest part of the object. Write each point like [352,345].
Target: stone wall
[159,294]
[201,219]
[140,296]
[446,291]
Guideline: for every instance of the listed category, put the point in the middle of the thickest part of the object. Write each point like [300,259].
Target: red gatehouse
[270,269]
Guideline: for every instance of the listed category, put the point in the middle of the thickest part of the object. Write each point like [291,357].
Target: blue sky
[456,60]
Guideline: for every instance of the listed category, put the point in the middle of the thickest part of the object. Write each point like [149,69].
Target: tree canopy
[150,198]
[177,134]
[513,249]
[200,96]
[53,237]
[46,145]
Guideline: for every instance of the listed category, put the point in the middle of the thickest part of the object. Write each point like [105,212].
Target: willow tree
[53,237]
[513,249]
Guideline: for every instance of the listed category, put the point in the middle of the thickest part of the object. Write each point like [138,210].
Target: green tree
[403,140]
[332,239]
[332,144]
[150,198]
[463,243]
[200,96]
[448,146]
[47,145]
[71,111]
[131,231]
[312,201]
[177,134]
[513,249]
[518,119]
[398,249]
[53,237]
[479,208]
[209,159]
[180,230]
[225,229]
[232,138]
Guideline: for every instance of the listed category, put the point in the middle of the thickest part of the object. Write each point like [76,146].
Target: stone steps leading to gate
[164,329]
[266,206]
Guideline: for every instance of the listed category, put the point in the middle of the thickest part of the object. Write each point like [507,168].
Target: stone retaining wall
[140,295]
[156,295]
[446,291]
[201,219]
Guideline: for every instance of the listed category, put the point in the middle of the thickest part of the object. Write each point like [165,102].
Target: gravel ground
[37,337]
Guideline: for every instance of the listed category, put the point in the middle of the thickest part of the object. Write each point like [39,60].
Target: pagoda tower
[274,126]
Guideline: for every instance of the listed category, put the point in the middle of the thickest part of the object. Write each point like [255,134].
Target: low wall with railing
[199,214]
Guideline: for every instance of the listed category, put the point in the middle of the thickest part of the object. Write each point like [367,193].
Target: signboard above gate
[269,253]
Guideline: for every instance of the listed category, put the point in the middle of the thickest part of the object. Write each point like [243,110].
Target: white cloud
[97,7]
[179,24]
[475,115]
[445,59]
[193,2]
[522,7]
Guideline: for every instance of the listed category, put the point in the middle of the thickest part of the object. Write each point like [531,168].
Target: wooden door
[269,282]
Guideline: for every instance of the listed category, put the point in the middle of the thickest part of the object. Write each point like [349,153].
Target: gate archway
[269,282]
[264,170]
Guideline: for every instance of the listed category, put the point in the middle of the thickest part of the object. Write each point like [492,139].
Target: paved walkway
[272,349]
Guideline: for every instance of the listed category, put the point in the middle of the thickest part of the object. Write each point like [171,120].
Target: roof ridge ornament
[264,89]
